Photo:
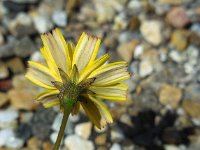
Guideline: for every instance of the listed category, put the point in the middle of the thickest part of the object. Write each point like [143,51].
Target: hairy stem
[67,110]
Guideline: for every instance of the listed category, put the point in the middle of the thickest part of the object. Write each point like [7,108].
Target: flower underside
[70,90]
[74,76]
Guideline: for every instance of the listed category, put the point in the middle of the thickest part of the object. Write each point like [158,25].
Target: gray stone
[22,25]
[3,10]
[126,36]
[8,139]
[134,6]
[25,1]
[194,147]
[120,22]
[116,134]
[163,54]
[161,9]
[192,54]
[196,27]
[7,50]
[176,56]
[25,47]
[57,122]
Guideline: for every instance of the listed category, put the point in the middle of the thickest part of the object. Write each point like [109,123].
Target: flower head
[73,75]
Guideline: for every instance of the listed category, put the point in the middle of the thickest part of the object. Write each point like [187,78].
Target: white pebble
[74,142]
[14,143]
[83,129]
[5,134]
[60,18]
[115,146]
[145,68]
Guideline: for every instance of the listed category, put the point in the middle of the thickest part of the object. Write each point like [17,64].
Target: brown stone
[192,108]
[3,99]
[177,17]
[171,2]
[34,143]
[152,31]
[126,50]
[101,148]
[179,39]
[21,82]
[111,40]
[118,110]
[16,65]
[5,85]
[101,139]
[71,5]
[22,99]
[3,71]
[170,95]
[194,38]
[47,146]
[134,23]
[83,129]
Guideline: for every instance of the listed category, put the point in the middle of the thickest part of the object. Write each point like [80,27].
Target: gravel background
[160,39]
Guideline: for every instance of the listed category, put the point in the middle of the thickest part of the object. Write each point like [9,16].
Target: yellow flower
[77,74]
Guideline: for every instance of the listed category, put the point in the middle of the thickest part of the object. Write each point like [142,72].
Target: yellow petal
[47,93]
[50,101]
[33,64]
[55,51]
[90,68]
[107,67]
[62,45]
[92,112]
[110,74]
[85,51]
[96,111]
[74,76]
[70,47]
[117,92]
[40,75]
[49,60]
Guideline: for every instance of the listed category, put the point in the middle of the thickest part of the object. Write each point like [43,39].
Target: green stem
[67,110]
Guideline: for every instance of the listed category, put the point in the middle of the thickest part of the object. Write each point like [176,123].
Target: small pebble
[74,142]
[83,129]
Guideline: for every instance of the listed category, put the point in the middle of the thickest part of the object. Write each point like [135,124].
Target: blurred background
[160,39]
